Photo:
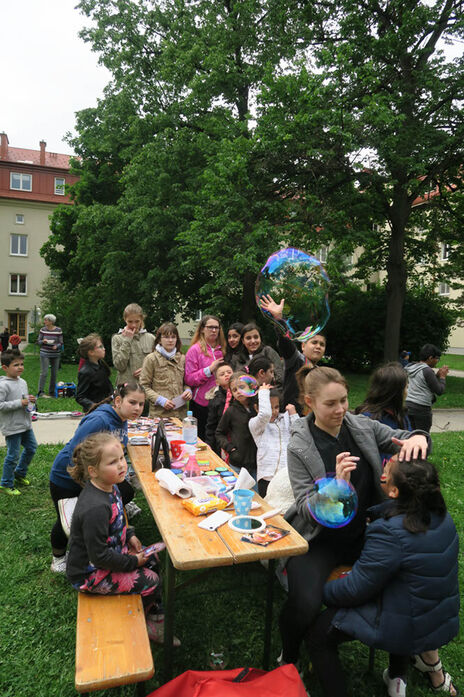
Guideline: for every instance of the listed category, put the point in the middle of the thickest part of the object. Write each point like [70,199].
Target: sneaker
[156,631]
[132,509]
[22,480]
[396,687]
[10,490]
[58,565]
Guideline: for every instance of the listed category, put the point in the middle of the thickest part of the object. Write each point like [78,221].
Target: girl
[311,353]
[127,405]
[93,379]
[331,440]
[407,570]
[162,375]
[131,345]
[234,334]
[206,352]
[233,434]
[105,556]
[271,432]
[252,345]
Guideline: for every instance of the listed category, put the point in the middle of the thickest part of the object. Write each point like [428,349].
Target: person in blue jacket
[128,403]
[402,595]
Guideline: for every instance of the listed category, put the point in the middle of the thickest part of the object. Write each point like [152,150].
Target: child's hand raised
[274,309]
[127,331]
[264,387]
[290,408]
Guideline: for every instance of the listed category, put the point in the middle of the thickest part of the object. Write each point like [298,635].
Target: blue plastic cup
[242,501]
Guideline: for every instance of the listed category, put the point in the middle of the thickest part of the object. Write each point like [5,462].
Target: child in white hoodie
[271,432]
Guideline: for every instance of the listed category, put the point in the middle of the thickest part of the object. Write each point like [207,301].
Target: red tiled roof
[52,159]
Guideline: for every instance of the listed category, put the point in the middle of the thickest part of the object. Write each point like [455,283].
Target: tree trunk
[248,309]
[396,281]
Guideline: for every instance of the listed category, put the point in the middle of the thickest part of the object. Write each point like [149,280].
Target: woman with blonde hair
[206,352]
[131,345]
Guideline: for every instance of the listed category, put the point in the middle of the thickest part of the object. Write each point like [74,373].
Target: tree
[382,88]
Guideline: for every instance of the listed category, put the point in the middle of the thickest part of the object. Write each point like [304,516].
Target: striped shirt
[48,338]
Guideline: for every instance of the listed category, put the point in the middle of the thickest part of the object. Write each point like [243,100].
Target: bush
[356,329]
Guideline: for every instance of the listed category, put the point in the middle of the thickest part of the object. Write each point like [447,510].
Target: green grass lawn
[452,360]
[38,608]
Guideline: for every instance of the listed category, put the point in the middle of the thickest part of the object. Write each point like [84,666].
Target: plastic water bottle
[189,429]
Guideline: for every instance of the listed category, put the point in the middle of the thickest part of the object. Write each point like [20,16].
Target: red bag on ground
[239,682]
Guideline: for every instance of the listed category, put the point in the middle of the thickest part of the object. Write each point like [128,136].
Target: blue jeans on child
[11,466]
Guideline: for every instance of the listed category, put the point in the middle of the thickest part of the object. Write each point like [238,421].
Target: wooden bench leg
[170,578]
[268,617]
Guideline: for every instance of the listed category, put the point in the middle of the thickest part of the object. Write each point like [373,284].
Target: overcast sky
[48,72]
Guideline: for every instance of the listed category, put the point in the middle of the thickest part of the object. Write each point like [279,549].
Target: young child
[217,404]
[15,423]
[271,432]
[390,598]
[105,556]
[233,434]
[93,379]
[262,369]
[127,405]
[162,375]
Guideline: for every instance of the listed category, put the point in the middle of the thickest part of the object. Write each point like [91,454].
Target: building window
[445,251]
[322,254]
[19,219]
[18,284]
[18,245]
[199,315]
[443,289]
[59,186]
[20,182]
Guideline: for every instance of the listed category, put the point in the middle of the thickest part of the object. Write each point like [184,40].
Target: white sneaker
[58,565]
[132,509]
[396,687]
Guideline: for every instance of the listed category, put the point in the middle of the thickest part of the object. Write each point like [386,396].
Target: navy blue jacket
[402,594]
[104,418]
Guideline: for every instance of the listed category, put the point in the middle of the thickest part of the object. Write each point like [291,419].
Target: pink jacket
[195,376]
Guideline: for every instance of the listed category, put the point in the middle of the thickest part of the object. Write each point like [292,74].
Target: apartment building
[32,184]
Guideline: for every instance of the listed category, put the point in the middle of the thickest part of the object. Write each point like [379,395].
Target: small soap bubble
[302,282]
[248,386]
[332,502]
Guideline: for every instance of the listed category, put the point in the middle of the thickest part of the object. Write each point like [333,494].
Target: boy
[423,385]
[271,432]
[262,369]
[15,423]
[217,404]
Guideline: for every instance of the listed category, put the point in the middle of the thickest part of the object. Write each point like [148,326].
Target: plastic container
[191,469]
[190,429]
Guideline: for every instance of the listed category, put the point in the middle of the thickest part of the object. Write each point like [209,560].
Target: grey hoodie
[305,464]
[14,418]
[423,384]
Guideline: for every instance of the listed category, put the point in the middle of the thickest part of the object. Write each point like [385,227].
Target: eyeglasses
[212,327]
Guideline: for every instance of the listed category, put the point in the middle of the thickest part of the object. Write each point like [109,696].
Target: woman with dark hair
[402,595]
[206,352]
[251,345]
[162,375]
[234,334]
[385,398]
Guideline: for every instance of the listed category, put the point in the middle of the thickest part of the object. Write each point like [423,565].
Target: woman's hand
[136,373]
[212,366]
[141,559]
[186,395]
[345,464]
[134,544]
[412,448]
[274,309]
[168,405]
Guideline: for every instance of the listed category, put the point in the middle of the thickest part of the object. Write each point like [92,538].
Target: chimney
[43,145]
[3,146]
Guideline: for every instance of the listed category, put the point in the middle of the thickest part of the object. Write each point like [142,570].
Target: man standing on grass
[424,385]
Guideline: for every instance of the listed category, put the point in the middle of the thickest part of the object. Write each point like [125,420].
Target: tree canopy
[235,127]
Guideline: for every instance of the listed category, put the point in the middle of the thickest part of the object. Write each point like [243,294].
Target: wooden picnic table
[191,547]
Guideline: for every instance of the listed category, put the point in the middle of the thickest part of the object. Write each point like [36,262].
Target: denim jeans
[11,466]
[45,361]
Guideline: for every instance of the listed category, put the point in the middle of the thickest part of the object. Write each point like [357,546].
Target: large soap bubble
[332,502]
[303,283]
[248,386]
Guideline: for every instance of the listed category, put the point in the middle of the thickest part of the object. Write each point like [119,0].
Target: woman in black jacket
[402,595]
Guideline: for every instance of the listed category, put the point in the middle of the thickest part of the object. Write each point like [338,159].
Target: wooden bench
[112,645]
